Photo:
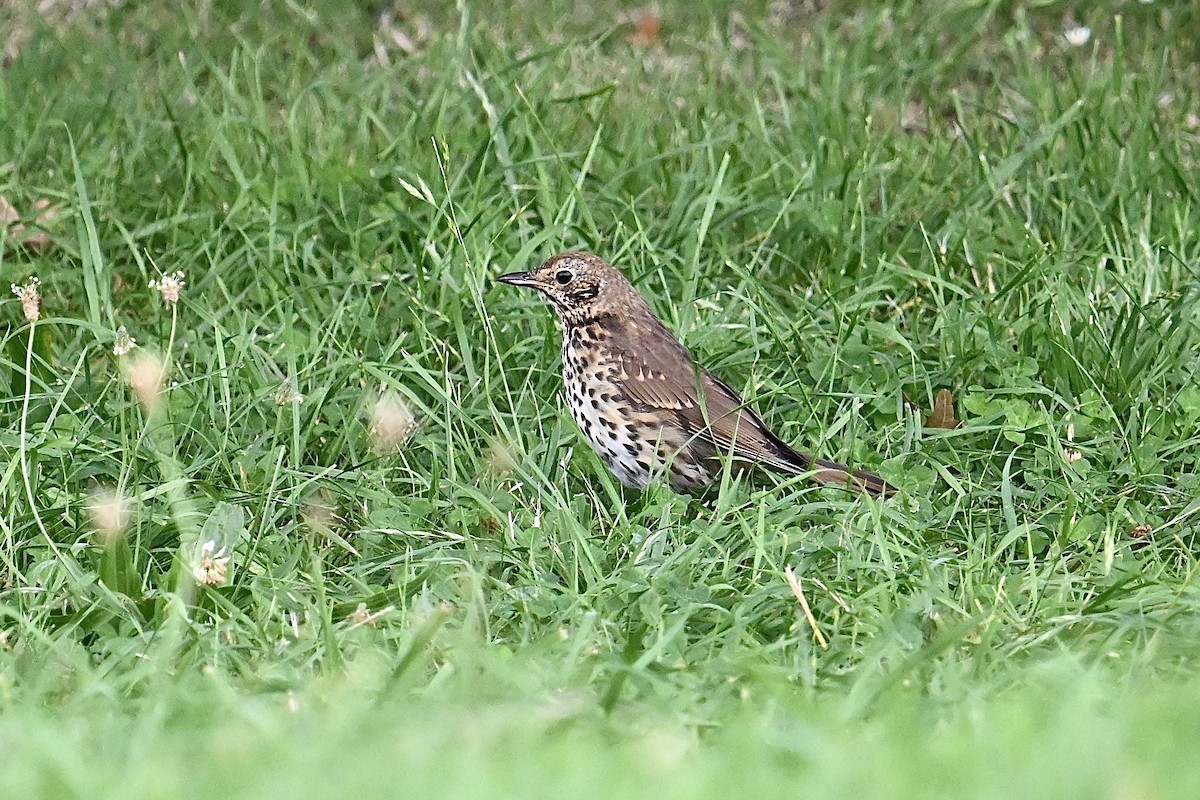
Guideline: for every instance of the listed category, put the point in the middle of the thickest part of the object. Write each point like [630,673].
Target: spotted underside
[636,443]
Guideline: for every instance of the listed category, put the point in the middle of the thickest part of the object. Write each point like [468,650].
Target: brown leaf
[17,37]
[37,242]
[1138,531]
[647,29]
[8,214]
[40,241]
[942,415]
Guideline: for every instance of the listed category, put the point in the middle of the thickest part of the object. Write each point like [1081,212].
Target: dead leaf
[402,32]
[942,415]
[798,591]
[40,241]
[11,51]
[8,214]
[647,29]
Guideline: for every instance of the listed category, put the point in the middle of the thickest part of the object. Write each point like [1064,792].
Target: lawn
[292,507]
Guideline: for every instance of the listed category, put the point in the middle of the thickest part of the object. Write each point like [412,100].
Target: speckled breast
[633,442]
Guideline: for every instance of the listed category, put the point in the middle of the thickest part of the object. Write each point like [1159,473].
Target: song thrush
[640,399]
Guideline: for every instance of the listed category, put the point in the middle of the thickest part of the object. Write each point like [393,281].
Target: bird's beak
[518,279]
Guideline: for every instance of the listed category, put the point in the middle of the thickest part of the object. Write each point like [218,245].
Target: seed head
[319,514]
[392,421]
[286,394]
[145,374]
[169,286]
[30,297]
[1077,35]
[501,458]
[110,513]
[213,565]
[124,343]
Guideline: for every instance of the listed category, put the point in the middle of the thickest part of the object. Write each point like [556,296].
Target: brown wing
[656,371]
[661,375]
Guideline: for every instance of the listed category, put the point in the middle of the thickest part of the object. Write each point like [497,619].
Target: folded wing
[666,379]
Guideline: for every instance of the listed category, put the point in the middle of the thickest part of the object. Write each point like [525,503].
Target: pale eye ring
[563,277]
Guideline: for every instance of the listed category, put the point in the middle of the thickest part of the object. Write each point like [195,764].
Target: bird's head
[580,286]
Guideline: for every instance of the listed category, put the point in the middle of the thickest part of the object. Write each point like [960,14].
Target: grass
[842,211]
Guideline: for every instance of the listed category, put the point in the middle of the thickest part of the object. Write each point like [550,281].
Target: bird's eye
[563,277]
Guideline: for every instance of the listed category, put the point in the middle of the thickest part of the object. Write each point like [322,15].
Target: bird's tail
[824,471]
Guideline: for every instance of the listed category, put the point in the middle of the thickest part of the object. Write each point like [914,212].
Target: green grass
[841,210]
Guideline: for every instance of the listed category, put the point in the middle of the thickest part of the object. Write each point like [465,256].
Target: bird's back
[659,374]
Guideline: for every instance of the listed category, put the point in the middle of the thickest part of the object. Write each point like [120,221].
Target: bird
[643,403]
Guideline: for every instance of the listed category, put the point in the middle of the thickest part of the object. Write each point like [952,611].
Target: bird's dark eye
[563,276]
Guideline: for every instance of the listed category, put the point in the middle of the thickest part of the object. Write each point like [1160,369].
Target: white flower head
[501,457]
[145,373]
[124,343]
[213,566]
[286,394]
[1071,454]
[1077,35]
[392,421]
[110,512]
[169,286]
[30,297]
